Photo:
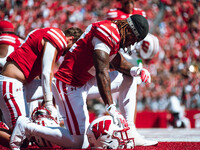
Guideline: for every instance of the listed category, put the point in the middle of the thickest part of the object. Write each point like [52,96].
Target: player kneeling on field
[42,116]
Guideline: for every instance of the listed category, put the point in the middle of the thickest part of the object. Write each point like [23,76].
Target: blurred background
[175,86]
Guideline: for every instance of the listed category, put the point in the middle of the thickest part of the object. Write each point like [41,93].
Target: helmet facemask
[42,116]
[124,141]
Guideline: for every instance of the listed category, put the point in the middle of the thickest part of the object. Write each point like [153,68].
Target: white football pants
[124,88]
[14,96]
[71,102]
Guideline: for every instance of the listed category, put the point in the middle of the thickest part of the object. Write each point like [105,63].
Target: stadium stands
[176,23]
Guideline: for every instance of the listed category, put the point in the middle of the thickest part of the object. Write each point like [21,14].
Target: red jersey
[118,14]
[10,39]
[29,55]
[77,67]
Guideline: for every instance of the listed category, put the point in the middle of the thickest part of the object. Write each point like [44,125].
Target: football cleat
[139,139]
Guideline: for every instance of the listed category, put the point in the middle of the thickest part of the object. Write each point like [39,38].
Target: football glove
[117,116]
[53,111]
[143,73]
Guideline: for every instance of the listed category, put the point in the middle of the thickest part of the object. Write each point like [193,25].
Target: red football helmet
[42,116]
[6,26]
[104,134]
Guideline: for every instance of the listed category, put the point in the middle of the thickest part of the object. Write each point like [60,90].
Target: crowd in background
[176,23]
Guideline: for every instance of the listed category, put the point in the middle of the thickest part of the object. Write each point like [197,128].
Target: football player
[9,41]
[125,88]
[89,58]
[128,8]
[34,57]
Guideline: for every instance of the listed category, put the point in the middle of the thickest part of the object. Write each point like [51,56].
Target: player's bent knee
[80,141]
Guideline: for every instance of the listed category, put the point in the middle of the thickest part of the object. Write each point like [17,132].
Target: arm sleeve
[47,64]
[98,44]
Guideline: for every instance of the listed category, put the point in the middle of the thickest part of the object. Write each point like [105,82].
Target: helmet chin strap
[127,50]
[131,49]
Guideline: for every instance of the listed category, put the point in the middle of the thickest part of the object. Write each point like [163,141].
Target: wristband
[109,107]
[135,71]
[48,98]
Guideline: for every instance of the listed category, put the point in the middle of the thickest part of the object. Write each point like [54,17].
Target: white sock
[57,135]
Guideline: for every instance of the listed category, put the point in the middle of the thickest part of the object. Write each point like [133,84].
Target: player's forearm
[125,68]
[46,86]
[101,63]
[121,64]
[48,62]
[103,81]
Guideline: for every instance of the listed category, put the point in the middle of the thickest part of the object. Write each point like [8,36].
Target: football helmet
[148,47]
[6,26]
[104,134]
[42,116]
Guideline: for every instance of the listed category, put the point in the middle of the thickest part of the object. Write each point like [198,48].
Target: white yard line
[171,135]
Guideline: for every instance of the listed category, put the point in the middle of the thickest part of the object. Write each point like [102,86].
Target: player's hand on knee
[145,76]
[53,111]
[117,116]
[143,73]
[48,100]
